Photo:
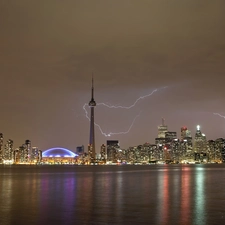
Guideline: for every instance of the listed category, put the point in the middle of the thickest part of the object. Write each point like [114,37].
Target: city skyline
[49,50]
[160,133]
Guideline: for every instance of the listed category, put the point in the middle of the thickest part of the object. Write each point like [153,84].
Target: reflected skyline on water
[167,194]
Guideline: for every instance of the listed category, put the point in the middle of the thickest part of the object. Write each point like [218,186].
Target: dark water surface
[151,194]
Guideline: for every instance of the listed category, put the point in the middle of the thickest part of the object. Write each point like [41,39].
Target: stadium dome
[58,152]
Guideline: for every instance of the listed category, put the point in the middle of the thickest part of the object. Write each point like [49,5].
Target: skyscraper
[200,143]
[91,146]
[112,147]
[162,129]
[8,152]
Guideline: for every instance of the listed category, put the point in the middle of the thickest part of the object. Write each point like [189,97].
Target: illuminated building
[200,146]
[22,153]
[16,156]
[8,152]
[27,151]
[219,149]
[169,136]
[91,146]
[160,141]
[57,156]
[39,159]
[112,147]
[1,148]
[186,143]
[103,154]
[183,132]
[223,151]
[162,129]
[34,155]
[80,150]
[200,141]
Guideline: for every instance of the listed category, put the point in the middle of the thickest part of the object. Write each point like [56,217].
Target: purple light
[64,152]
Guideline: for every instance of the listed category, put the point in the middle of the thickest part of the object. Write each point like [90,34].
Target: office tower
[162,129]
[34,155]
[223,151]
[170,136]
[22,153]
[8,151]
[91,146]
[16,156]
[200,146]
[80,150]
[219,149]
[1,148]
[103,153]
[186,142]
[112,147]
[27,150]
[185,133]
[39,159]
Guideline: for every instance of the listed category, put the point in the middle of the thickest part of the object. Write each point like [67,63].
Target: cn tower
[91,146]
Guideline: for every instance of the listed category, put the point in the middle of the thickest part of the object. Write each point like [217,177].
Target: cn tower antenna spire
[92,88]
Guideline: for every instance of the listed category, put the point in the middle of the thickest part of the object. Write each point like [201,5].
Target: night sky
[49,49]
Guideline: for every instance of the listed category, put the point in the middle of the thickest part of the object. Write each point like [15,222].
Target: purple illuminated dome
[58,152]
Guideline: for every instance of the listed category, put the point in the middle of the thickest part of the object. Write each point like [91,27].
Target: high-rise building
[22,153]
[170,136]
[200,143]
[103,153]
[39,156]
[112,146]
[162,129]
[185,133]
[1,148]
[8,151]
[34,155]
[91,146]
[80,150]
[16,156]
[27,150]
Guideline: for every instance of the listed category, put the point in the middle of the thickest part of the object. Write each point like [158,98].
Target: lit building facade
[112,149]
[57,156]
[103,154]
[34,156]
[200,143]
[162,129]
[8,152]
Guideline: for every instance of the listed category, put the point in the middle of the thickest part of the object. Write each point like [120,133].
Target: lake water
[151,194]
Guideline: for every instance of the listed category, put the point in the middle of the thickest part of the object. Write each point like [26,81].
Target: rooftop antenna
[163,121]
[92,88]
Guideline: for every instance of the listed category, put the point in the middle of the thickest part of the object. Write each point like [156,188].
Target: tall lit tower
[91,146]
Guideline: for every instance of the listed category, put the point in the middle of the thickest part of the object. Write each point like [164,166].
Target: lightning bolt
[111,133]
[119,107]
[128,107]
[217,114]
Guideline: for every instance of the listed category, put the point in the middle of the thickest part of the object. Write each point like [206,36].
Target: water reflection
[185,215]
[6,199]
[112,195]
[200,216]
[163,197]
